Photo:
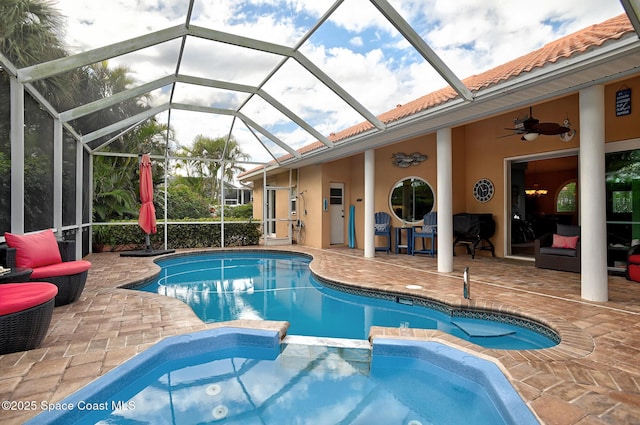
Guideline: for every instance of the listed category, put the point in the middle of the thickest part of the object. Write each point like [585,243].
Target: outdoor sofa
[559,250]
[51,261]
[25,314]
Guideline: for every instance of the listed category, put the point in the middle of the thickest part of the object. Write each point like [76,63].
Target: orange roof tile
[565,47]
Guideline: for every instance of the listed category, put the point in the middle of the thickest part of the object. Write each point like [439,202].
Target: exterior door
[271,212]
[336,210]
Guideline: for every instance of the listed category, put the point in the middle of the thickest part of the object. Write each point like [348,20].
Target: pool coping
[574,342]
[471,366]
[567,385]
[101,390]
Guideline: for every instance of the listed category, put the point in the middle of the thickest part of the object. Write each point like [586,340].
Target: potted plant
[103,239]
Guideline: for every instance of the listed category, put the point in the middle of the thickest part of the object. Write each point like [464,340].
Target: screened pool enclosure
[74,120]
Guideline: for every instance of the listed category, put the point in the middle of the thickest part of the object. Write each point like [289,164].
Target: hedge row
[205,235]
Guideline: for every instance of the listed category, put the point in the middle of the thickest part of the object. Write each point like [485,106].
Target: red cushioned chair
[633,264]
[25,314]
[51,260]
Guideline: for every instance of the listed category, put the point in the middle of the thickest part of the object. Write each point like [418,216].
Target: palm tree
[209,155]
[31,33]
[98,81]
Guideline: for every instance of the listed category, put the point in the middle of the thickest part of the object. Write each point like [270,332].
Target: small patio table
[15,275]
[408,245]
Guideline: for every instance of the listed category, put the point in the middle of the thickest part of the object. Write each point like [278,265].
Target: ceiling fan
[530,128]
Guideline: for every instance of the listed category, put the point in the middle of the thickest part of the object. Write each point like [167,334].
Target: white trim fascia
[622,145]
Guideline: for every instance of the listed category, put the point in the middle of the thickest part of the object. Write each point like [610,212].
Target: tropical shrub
[206,235]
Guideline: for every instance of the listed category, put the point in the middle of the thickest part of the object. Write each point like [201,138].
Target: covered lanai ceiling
[282,75]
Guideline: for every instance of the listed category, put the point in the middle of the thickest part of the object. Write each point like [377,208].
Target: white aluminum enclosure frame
[466,107]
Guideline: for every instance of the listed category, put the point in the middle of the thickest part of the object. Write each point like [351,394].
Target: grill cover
[469,226]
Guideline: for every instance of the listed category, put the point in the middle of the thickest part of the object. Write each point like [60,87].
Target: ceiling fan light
[565,137]
[530,137]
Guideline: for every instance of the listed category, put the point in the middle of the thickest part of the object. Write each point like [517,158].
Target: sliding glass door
[623,205]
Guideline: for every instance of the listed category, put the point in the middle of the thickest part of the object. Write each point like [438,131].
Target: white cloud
[356,41]
[362,52]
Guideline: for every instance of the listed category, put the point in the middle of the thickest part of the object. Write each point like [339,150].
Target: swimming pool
[243,376]
[229,285]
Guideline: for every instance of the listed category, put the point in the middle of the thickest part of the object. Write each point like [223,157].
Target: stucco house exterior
[588,81]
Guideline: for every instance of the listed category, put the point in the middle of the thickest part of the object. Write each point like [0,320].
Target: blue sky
[356,47]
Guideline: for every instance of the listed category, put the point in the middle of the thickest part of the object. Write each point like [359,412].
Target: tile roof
[563,48]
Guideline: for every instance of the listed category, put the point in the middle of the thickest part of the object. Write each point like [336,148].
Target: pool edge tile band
[198,292]
[480,331]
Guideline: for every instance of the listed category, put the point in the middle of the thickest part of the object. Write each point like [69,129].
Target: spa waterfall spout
[466,284]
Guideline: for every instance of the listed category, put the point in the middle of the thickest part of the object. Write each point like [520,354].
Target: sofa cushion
[565,252]
[15,297]
[35,249]
[429,229]
[67,268]
[560,241]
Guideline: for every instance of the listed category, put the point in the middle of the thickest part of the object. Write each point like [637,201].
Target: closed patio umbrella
[147,217]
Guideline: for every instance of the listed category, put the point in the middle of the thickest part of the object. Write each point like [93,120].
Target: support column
[369,203]
[17,155]
[594,279]
[265,204]
[444,201]
[57,176]
[222,204]
[80,164]
[89,165]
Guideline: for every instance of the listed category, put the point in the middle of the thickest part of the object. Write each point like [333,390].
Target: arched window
[566,201]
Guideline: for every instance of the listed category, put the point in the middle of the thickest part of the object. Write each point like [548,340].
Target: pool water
[305,385]
[274,286]
[247,377]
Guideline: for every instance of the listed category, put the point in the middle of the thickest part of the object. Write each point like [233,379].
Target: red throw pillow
[570,242]
[34,250]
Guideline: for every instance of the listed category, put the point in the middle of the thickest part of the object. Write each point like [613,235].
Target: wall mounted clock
[483,190]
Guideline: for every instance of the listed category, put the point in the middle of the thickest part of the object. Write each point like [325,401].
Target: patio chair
[383,228]
[51,260]
[25,315]
[428,231]
[560,250]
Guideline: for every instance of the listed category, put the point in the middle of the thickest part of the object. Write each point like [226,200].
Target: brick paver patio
[591,377]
